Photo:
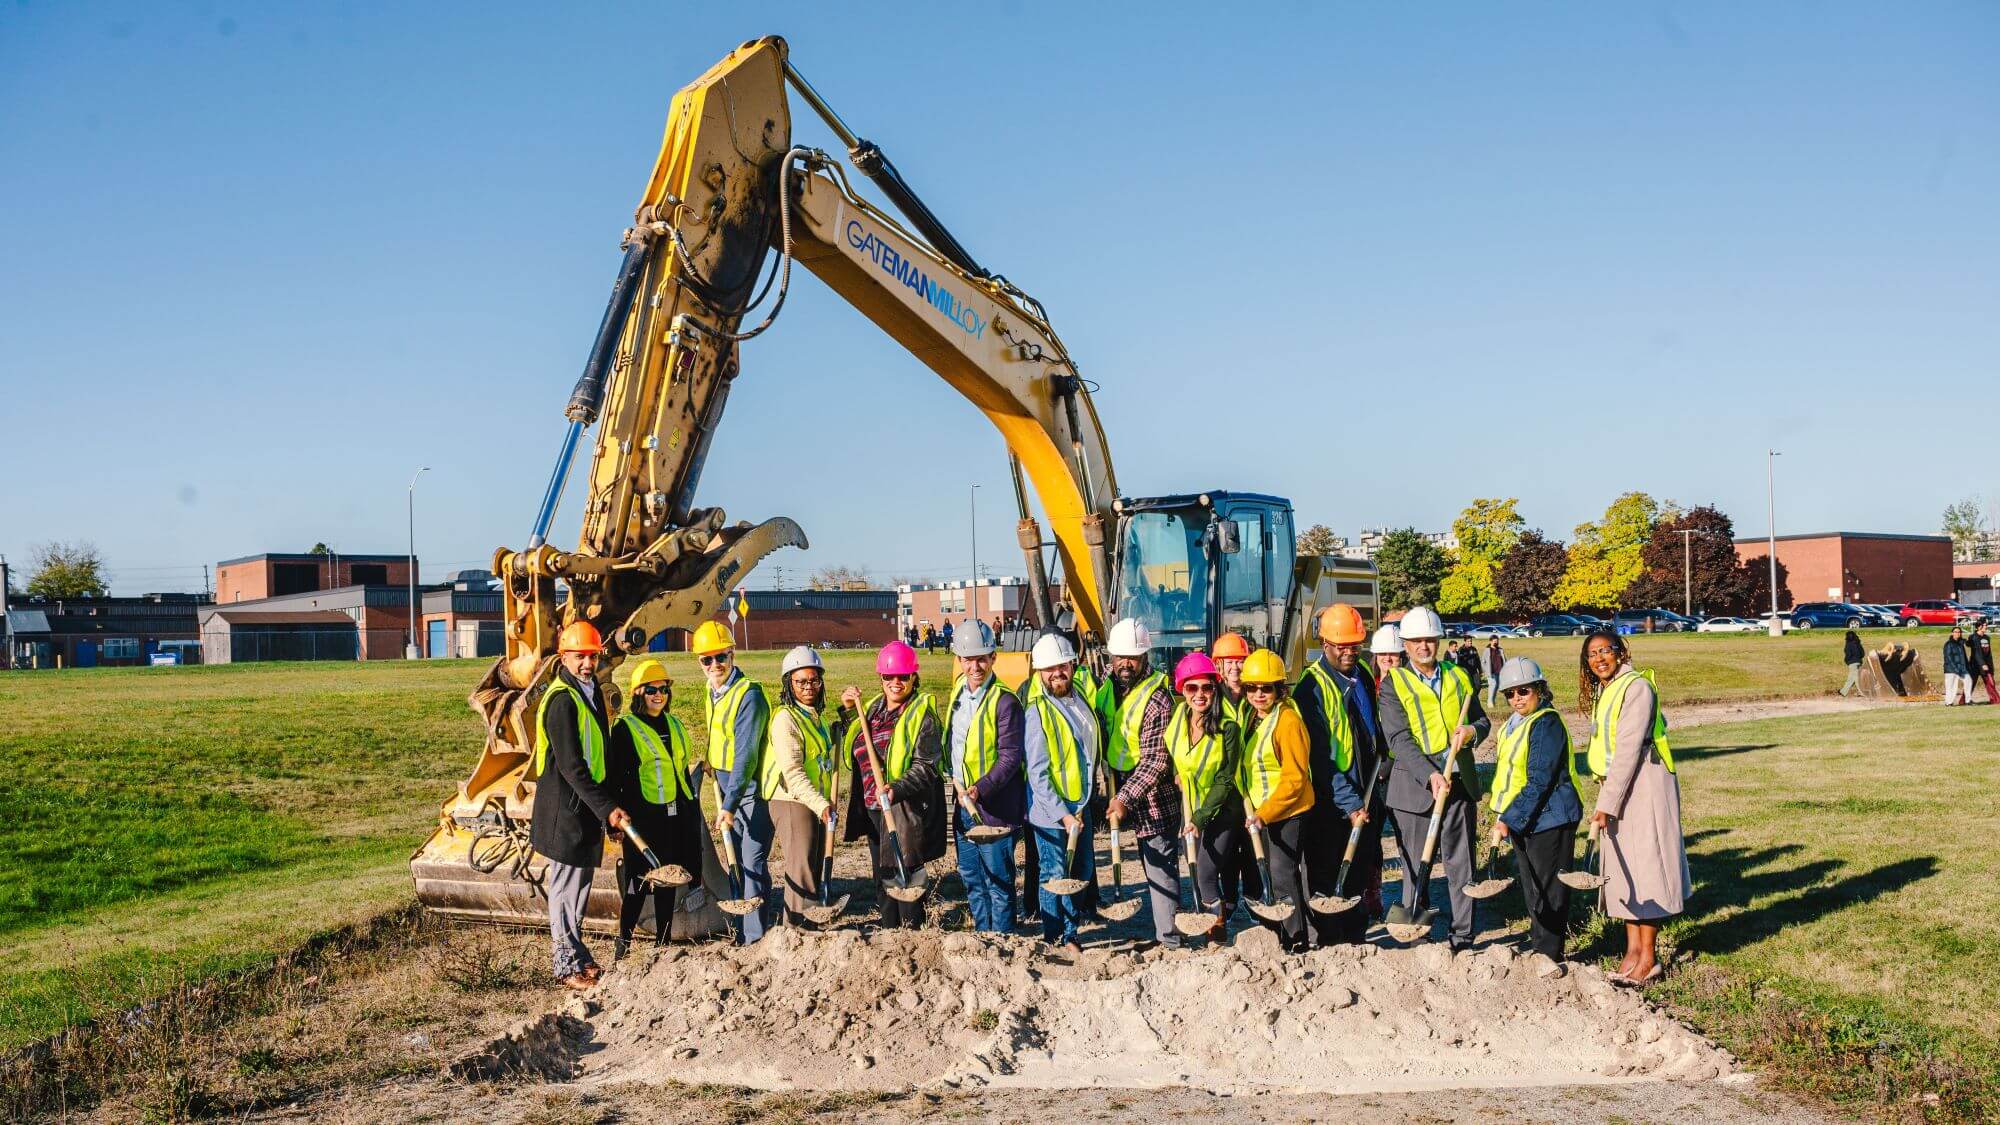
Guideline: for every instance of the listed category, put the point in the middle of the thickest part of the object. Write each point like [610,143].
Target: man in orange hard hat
[739,729]
[573,801]
[1338,704]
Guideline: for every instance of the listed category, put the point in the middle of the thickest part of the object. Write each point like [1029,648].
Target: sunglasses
[653,689]
[901,679]
[1261,689]
[718,658]
[1514,691]
[1197,687]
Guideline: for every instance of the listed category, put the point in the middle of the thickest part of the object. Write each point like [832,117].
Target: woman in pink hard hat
[1205,743]
[909,742]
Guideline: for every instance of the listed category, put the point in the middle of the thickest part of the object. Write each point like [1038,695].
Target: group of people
[1223,759]
[1968,659]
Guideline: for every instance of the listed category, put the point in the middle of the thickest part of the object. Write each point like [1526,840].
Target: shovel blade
[1487,888]
[1273,911]
[737,906]
[1330,904]
[987,833]
[672,875]
[908,892]
[1409,932]
[1581,880]
[1063,886]
[1194,925]
[821,915]
[1119,911]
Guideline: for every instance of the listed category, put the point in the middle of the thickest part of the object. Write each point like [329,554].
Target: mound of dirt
[895,1009]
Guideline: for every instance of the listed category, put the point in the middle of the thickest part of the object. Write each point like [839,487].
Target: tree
[1964,523]
[1529,574]
[67,570]
[838,578]
[1757,587]
[320,549]
[1469,588]
[1318,539]
[1604,559]
[1706,563]
[1410,569]
[1488,529]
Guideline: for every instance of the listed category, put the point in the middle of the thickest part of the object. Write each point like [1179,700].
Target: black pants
[1284,848]
[633,904]
[1457,842]
[895,913]
[1221,857]
[1539,858]
[1325,843]
[1029,908]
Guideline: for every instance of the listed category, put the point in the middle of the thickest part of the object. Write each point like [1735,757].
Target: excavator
[728,189]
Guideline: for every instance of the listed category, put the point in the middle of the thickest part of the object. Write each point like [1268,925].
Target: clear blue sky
[260,262]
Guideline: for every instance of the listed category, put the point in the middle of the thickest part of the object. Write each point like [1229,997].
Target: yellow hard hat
[1264,667]
[649,671]
[711,638]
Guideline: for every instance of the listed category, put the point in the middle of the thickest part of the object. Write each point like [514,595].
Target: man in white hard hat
[1060,749]
[799,768]
[1135,706]
[1430,715]
[983,748]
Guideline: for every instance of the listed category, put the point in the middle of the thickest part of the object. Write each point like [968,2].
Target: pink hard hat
[1193,666]
[896,659]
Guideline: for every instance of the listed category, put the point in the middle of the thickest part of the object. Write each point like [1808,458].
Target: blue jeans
[987,870]
[752,839]
[1059,912]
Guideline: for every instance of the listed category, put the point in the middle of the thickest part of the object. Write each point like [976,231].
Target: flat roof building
[1855,566]
[273,574]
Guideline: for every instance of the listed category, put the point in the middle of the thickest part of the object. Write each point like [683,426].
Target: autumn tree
[1409,569]
[1318,539]
[1604,558]
[1965,524]
[1528,575]
[66,570]
[1705,564]
[1485,531]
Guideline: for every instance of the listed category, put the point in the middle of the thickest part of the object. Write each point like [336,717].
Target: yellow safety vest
[1604,723]
[1065,754]
[902,743]
[1232,709]
[1433,715]
[983,736]
[818,755]
[1197,767]
[722,714]
[1510,772]
[1333,706]
[1122,720]
[662,762]
[1257,775]
[588,734]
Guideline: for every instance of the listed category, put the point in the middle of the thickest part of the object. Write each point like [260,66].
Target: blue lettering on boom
[907,271]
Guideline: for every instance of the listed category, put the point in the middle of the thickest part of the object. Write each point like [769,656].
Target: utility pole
[1687,572]
[973,608]
[410,649]
[1771,510]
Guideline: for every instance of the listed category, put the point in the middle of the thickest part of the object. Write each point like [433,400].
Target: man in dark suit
[573,801]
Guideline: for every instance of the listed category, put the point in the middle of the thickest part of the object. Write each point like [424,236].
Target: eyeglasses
[808,681]
[1260,689]
[718,658]
[653,689]
[1514,691]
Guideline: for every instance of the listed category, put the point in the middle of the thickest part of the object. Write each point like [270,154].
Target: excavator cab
[1197,565]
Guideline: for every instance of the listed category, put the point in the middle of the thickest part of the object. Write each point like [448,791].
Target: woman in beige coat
[800,777]
[1638,815]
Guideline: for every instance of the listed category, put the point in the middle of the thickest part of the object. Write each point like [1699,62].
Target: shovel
[827,911]
[1489,886]
[902,890]
[1270,910]
[1416,924]
[1336,903]
[1118,908]
[736,906]
[658,874]
[1587,879]
[1193,923]
[1068,884]
[980,832]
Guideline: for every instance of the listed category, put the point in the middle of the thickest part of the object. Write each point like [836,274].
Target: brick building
[1849,566]
[461,619]
[958,602]
[821,618]
[107,631]
[255,577]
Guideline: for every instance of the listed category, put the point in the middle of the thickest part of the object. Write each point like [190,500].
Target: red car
[1935,611]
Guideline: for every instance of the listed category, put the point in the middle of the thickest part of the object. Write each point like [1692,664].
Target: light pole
[410,649]
[1687,571]
[1771,509]
[972,607]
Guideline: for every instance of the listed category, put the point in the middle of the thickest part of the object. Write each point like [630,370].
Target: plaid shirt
[1152,800]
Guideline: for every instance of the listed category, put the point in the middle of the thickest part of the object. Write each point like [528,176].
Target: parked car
[1830,615]
[1884,614]
[1482,632]
[1764,622]
[1664,621]
[1729,625]
[1558,625]
[1932,611]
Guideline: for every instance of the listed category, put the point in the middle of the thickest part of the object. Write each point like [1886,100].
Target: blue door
[439,648]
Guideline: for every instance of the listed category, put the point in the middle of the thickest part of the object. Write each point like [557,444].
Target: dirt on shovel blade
[1328,904]
[672,875]
[1581,880]
[1193,925]
[1487,888]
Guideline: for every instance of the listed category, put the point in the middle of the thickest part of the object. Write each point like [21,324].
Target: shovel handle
[1069,850]
[639,842]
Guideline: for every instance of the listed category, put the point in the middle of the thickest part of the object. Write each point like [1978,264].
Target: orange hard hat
[580,636]
[1230,646]
[1341,625]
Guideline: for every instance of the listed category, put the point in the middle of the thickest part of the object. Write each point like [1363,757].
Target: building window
[121,648]
[294,578]
[368,574]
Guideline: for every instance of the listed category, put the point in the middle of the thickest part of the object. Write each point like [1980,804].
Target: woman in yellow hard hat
[739,724]
[648,766]
[1275,778]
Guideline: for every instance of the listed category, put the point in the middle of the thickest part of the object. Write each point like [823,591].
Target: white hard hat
[800,657]
[1388,640]
[976,639]
[1519,671]
[1129,637]
[1421,624]
[1052,650]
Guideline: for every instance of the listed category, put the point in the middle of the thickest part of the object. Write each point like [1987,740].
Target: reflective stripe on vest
[816,751]
[1510,770]
[902,742]
[1257,776]
[1065,754]
[1333,706]
[982,736]
[662,767]
[1196,767]
[587,733]
[1123,719]
[1432,715]
[1604,724]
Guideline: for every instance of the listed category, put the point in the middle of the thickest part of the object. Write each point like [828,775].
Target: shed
[239,636]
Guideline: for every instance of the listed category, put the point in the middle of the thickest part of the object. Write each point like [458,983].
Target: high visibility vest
[1604,723]
[902,742]
[662,761]
[1510,772]
[1258,773]
[588,734]
[1122,720]
[1197,764]
[1433,715]
[722,748]
[1232,709]
[983,735]
[1333,706]
[1065,754]
[818,755]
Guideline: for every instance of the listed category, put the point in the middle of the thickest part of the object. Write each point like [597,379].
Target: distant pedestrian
[1854,655]
[930,639]
[1957,669]
[910,635]
[1979,648]
[1495,660]
[946,635]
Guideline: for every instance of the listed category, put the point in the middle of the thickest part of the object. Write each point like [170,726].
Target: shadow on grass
[1744,895]
[1698,751]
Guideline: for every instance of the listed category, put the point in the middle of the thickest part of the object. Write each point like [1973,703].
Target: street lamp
[410,649]
[1771,509]
[973,607]
[1687,570]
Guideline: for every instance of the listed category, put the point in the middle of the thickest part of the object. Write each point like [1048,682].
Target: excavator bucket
[1895,672]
